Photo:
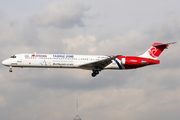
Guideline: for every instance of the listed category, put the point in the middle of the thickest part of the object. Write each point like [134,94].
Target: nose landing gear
[10,69]
[95,72]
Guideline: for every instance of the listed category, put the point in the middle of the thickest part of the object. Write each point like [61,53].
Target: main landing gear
[95,72]
[10,69]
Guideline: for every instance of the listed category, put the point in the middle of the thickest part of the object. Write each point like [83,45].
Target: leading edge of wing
[101,64]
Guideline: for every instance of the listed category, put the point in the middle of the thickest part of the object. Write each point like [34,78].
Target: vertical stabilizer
[155,50]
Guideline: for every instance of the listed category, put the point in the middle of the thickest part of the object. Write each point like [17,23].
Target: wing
[99,65]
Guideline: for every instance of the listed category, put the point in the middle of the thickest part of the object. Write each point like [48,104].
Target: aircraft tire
[93,74]
[96,72]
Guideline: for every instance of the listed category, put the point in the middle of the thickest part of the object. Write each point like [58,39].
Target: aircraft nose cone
[5,62]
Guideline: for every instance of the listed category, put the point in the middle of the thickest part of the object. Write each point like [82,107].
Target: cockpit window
[13,56]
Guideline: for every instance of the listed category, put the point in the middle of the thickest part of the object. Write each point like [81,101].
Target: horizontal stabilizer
[160,44]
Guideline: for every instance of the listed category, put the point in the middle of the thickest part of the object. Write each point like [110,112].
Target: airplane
[96,63]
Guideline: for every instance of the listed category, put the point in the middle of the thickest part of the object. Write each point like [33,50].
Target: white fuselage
[56,61]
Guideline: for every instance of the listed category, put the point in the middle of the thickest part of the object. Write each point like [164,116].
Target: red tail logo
[154,52]
[156,49]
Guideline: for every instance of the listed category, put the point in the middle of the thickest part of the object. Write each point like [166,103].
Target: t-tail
[155,50]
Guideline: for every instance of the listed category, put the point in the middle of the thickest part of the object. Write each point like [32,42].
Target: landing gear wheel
[10,69]
[93,74]
[96,72]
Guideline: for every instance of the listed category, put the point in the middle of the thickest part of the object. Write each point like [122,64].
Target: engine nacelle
[132,62]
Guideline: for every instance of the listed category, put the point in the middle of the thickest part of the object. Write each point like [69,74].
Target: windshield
[13,56]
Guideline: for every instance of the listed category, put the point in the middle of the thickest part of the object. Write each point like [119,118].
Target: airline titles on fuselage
[62,56]
[62,64]
[45,56]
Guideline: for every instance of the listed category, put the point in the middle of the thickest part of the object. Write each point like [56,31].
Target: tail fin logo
[153,52]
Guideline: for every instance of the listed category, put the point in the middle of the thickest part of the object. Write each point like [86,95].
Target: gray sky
[108,27]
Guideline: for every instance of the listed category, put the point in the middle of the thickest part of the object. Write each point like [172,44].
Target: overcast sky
[111,27]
